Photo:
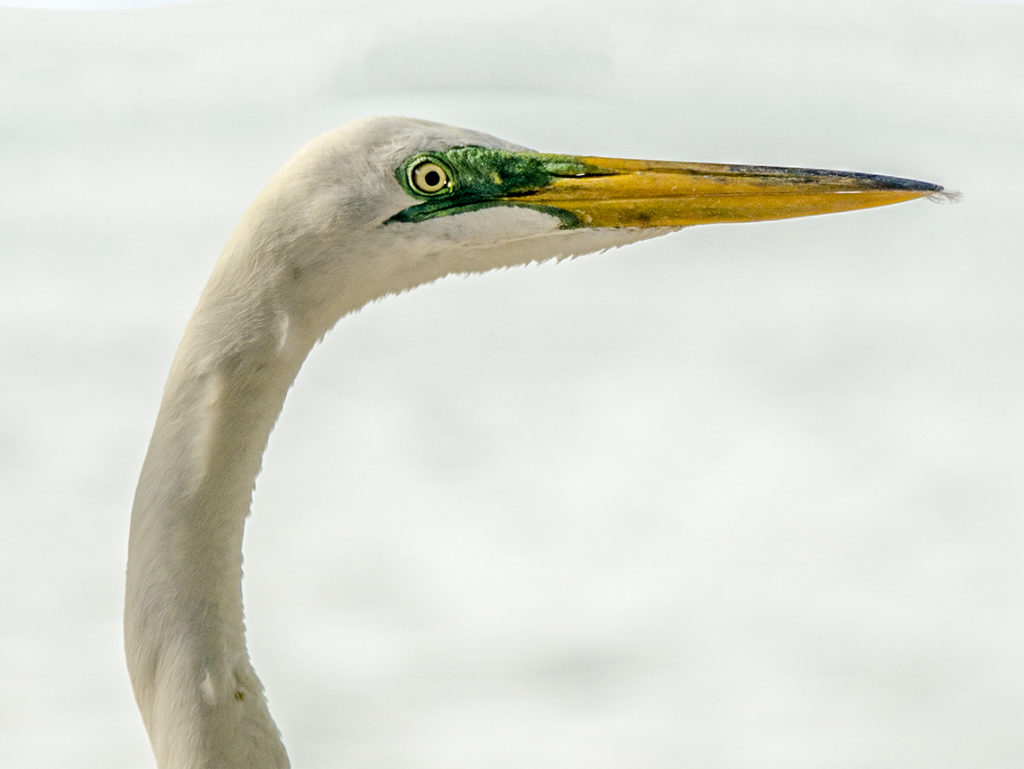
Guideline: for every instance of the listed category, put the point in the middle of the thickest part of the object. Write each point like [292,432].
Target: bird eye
[429,178]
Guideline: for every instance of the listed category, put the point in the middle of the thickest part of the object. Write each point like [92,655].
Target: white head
[347,221]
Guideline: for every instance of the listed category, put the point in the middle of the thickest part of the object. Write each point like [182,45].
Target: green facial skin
[483,178]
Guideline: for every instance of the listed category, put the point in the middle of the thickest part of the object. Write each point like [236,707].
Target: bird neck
[202,703]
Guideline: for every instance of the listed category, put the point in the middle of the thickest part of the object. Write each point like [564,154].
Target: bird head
[384,204]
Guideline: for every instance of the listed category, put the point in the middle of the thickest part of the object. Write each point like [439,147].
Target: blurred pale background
[745,496]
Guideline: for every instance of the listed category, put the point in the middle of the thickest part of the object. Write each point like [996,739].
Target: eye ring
[429,178]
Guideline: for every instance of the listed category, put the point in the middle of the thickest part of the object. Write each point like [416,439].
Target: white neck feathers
[184,633]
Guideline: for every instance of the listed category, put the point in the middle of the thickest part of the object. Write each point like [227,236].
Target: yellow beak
[644,193]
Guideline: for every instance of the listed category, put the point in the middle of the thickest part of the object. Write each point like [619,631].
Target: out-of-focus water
[740,497]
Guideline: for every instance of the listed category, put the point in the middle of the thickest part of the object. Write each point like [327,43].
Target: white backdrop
[746,496]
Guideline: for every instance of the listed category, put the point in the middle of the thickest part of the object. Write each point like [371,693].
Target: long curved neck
[202,703]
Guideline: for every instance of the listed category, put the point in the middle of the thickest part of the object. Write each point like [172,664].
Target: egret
[372,208]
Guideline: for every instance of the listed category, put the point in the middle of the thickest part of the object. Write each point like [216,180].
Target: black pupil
[432,178]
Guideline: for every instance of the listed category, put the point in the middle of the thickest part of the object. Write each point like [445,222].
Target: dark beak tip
[933,192]
[900,183]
